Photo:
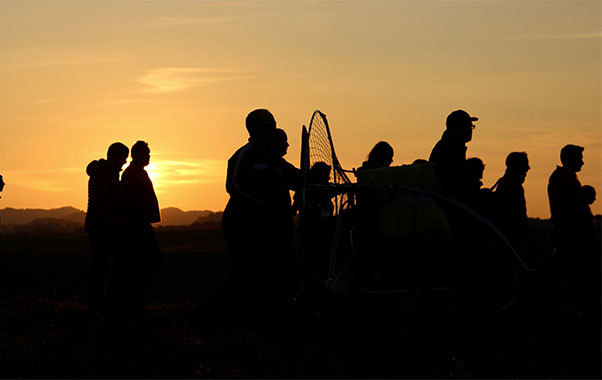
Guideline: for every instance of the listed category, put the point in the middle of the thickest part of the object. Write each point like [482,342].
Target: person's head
[278,143]
[571,157]
[260,123]
[381,155]
[420,161]
[319,173]
[117,155]
[1,183]
[517,164]
[588,193]
[140,153]
[459,124]
[474,169]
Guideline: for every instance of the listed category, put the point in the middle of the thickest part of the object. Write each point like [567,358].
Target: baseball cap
[459,118]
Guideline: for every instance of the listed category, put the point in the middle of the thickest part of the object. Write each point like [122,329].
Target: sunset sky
[76,76]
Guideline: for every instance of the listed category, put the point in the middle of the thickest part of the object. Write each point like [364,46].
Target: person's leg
[229,293]
[99,264]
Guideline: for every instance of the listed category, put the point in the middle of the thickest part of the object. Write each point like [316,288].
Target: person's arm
[242,172]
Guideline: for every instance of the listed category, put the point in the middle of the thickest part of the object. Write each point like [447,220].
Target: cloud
[172,79]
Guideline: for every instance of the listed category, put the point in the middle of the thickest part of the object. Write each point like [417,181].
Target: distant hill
[211,217]
[24,216]
[51,227]
[172,216]
[212,222]
[78,217]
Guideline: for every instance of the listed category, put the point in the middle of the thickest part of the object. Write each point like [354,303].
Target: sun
[153,172]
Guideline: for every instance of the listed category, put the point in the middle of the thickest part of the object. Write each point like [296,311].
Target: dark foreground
[44,332]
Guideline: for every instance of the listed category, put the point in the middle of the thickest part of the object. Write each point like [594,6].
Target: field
[44,332]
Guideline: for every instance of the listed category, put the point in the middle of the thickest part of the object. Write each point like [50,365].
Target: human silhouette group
[124,249]
[266,273]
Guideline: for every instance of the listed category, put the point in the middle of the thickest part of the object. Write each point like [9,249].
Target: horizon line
[78,209]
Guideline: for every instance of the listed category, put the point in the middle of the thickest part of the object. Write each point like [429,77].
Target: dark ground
[44,332]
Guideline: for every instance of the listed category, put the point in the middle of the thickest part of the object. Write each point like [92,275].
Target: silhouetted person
[319,229]
[592,282]
[589,197]
[381,156]
[319,200]
[511,206]
[275,273]
[567,206]
[248,182]
[142,209]
[475,195]
[572,228]
[471,232]
[474,173]
[449,154]
[285,176]
[105,220]
[2,269]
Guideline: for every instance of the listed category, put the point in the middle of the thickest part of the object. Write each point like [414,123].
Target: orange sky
[182,75]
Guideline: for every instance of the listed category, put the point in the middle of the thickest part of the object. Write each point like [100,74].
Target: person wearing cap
[572,228]
[449,154]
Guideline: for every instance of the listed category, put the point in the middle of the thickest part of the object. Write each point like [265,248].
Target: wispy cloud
[568,36]
[171,79]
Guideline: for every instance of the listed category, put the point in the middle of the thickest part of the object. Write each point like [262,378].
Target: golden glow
[153,170]
[78,76]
